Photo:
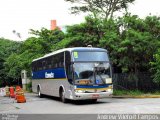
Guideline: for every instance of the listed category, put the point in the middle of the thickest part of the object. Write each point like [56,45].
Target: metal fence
[140,81]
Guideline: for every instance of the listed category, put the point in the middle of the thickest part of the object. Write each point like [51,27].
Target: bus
[79,73]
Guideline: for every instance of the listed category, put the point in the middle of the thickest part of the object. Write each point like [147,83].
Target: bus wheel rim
[63,96]
[39,93]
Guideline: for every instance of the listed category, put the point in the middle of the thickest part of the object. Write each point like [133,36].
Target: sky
[22,15]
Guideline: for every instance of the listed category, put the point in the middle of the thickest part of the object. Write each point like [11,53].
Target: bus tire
[39,92]
[94,100]
[62,96]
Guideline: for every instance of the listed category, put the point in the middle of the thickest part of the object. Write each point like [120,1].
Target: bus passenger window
[60,64]
[44,65]
[68,67]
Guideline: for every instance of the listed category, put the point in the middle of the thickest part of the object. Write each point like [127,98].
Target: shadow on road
[75,102]
[85,102]
[52,98]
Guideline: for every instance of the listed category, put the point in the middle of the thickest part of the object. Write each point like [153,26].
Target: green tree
[87,33]
[13,66]
[32,48]
[131,42]
[156,67]
[1,71]
[47,38]
[99,8]
[7,47]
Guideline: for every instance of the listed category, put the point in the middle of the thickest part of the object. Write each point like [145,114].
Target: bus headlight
[80,91]
[108,80]
[110,86]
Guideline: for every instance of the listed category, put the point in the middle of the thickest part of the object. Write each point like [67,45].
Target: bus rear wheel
[62,96]
[39,92]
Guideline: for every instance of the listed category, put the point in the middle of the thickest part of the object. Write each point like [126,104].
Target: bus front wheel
[94,100]
[62,96]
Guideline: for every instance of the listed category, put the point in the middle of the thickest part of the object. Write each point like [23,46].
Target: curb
[142,96]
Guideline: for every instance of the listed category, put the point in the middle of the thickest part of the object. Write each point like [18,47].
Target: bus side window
[49,66]
[44,65]
[68,66]
[49,63]
[40,65]
[59,64]
[55,57]
[52,62]
[61,59]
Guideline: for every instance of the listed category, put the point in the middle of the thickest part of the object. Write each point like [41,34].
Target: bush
[29,87]
[0,83]
[156,67]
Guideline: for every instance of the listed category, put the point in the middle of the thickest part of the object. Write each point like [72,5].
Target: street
[52,105]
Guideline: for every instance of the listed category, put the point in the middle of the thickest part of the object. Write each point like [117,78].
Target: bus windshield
[90,56]
[91,73]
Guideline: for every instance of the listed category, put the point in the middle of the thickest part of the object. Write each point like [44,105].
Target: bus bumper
[83,96]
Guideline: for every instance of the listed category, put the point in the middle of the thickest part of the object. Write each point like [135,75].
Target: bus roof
[71,50]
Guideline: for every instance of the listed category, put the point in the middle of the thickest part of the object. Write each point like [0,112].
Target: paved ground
[51,105]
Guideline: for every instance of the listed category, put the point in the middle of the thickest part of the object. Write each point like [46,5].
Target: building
[54,26]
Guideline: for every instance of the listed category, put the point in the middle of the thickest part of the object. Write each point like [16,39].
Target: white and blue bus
[79,73]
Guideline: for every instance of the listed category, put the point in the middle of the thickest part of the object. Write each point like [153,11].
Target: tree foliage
[131,43]
[130,40]
[132,48]
[47,38]
[156,67]
[32,48]
[99,8]
[7,47]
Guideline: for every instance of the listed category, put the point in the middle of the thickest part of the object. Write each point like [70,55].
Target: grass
[133,93]
[127,92]
[156,93]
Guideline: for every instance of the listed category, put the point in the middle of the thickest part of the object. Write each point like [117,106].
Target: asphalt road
[52,105]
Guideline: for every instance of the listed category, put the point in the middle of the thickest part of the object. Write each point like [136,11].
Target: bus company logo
[49,75]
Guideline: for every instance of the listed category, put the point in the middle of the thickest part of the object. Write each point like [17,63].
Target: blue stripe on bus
[93,86]
[58,73]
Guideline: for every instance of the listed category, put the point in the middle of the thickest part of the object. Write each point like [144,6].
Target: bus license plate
[95,96]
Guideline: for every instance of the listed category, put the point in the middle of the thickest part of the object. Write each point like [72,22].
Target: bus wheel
[94,100]
[62,96]
[39,92]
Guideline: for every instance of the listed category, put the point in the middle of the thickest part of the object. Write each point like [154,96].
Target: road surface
[51,105]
